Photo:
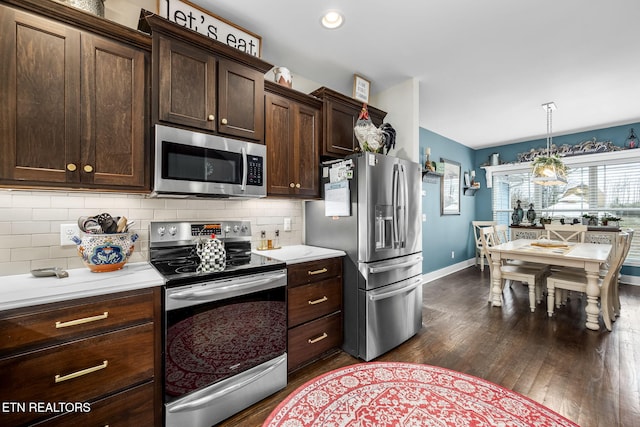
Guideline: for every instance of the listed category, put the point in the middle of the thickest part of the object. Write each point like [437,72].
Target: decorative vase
[519,211]
[515,218]
[531,214]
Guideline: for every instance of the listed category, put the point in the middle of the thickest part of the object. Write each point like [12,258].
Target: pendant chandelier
[549,169]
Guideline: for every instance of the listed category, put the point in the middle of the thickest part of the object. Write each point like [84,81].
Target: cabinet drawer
[314,271]
[29,328]
[78,371]
[314,338]
[133,407]
[314,300]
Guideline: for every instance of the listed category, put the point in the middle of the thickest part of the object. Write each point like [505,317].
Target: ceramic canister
[283,76]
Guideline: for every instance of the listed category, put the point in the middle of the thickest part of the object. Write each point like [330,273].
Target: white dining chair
[573,281]
[480,253]
[532,276]
[615,295]
[566,232]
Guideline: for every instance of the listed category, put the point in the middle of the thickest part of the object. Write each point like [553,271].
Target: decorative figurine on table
[531,214]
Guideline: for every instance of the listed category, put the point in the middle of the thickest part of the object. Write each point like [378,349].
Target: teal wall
[443,232]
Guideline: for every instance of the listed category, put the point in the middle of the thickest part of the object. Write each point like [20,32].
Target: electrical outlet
[424,217]
[287,224]
[453,254]
[67,231]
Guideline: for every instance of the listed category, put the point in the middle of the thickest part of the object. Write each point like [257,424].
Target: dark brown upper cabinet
[73,112]
[203,84]
[339,119]
[293,129]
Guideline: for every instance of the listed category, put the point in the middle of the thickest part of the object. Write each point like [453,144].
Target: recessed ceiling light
[332,19]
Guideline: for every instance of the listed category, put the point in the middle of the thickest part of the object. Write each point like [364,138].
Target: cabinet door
[292,135]
[113,113]
[339,137]
[186,85]
[240,101]
[40,93]
[279,141]
[306,154]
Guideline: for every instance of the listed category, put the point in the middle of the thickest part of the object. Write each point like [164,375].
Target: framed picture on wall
[450,188]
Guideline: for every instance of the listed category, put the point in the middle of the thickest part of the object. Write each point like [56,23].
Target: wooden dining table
[588,256]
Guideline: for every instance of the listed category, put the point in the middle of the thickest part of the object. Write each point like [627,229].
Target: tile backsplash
[30,222]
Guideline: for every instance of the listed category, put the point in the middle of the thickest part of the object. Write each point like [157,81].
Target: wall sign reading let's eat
[197,19]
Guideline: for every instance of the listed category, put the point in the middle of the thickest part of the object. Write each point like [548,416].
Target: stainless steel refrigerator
[381,234]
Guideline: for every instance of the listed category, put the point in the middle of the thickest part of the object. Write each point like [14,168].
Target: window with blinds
[599,190]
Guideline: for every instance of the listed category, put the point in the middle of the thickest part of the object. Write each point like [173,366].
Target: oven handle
[205,400]
[249,286]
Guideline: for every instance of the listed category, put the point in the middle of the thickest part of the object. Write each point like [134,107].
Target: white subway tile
[12,241]
[21,200]
[28,254]
[49,214]
[15,214]
[31,227]
[66,201]
[11,268]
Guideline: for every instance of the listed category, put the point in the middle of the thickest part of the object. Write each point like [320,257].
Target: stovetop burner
[172,251]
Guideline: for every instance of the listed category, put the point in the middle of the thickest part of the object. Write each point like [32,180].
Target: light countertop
[300,253]
[24,290]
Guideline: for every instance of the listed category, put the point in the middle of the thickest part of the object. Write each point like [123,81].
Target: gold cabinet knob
[224,121]
[88,168]
[211,117]
[71,167]
[292,185]
[298,185]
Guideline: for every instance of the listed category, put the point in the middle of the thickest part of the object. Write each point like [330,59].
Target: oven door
[225,346]
[188,162]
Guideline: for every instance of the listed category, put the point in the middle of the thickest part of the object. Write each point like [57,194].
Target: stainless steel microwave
[195,164]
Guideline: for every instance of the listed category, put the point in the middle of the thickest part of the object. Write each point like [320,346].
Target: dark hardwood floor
[590,377]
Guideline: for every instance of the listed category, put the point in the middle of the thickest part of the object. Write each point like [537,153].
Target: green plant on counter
[606,219]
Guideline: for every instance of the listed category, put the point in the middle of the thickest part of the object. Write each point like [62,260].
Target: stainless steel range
[225,331]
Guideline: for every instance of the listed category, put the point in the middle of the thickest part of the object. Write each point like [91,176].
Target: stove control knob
[161,231]
[173,230]
[243,228]
[227,229]
[236,228]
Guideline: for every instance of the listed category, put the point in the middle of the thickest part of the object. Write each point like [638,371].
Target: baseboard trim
[630,280]
[437,274]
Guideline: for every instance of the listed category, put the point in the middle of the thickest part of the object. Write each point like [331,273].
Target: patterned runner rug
[389,394]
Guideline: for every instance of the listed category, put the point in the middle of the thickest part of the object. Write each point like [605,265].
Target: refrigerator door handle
[374,270]
[405,207]
[385,295]
[394,200]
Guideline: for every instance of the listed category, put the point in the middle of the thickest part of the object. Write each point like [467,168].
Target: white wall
[127,12]
[30,222]
[402,104]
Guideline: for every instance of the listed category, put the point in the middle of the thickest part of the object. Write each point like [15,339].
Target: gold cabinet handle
[81,321]
[318,301]
[71,167]
[322,270]
[291,184]
[320,338]
[298,185]
[60,378]
[224,121]
[88,168]
[211,117]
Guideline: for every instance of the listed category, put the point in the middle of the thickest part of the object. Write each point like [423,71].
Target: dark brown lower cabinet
[90,361]
[314,310]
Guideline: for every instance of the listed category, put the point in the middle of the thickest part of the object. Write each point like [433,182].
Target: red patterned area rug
[381,394]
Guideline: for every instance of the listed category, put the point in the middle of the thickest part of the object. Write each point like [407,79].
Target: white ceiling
[484,66]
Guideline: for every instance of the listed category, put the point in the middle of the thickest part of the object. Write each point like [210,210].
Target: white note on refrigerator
[337,200]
